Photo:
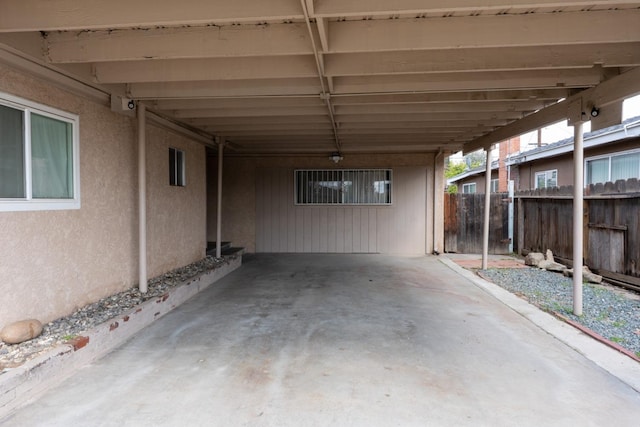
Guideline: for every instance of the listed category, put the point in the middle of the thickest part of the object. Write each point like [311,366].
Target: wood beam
[341,8]
[268,102]
[447,97]
[457,107]
[608,26]
[60,15]
[483,80]
[251,112]
[237,88]
[178,43]
[430,117]
[608,92]
[257,120]
[176,70]
[483,59]
[444,124]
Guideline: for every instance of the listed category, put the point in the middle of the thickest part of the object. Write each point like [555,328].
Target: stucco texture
[54,262]
[239,187]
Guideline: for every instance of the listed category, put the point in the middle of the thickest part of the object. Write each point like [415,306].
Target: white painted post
[578,226]
[220,143]
[511,213]
[142,198]
[487,205]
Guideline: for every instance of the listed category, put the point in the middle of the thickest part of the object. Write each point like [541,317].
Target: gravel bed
[611,312]
[63,329]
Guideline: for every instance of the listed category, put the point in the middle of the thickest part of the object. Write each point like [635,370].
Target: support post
[487,206]
[142,198]
[220,143]
[578,221]
[438,203]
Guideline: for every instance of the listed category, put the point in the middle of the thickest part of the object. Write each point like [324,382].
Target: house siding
[259,213]
[54,262]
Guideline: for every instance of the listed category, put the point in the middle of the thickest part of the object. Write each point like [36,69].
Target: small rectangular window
[343,186]
[469,188]
[176,167]
[39,159]
[547,179]
[495,184]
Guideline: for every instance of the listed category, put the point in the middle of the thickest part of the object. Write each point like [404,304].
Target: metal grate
[343,187]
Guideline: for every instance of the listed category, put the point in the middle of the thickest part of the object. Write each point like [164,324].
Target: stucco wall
[239,189]
[54,262]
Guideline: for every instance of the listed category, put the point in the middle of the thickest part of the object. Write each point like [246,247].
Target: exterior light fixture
[595,112]
[336,157]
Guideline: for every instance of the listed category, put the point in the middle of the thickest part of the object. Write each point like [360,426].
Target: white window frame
[607,156]
[28,203]
[297,202]
[469,185]
[546,178]
[495,185]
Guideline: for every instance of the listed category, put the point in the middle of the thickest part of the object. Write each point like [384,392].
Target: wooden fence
[611,232]
[463,224]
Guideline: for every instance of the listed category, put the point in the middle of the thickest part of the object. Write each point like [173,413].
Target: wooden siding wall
[282,226]
[464,216]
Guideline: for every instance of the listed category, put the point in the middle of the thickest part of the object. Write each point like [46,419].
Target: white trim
[28,203]
[469,184]
[546,179]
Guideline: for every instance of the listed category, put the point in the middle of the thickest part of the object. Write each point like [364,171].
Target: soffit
[401,76]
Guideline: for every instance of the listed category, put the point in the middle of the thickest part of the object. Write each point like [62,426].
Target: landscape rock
[552,266]
[549,256]
[24,330]
[587,275]
[534,259]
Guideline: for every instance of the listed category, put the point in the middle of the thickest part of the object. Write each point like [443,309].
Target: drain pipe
[578,220]
[142,197]
[487,205]
[220,142]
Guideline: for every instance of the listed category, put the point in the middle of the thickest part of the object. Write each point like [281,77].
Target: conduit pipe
[487,205]
[578,220]
[326,97]
[220,142]
[142,198]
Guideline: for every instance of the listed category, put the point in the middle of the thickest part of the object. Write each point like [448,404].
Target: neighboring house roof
[630,128]
[471,172]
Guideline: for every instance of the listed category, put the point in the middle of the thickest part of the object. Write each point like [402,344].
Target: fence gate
[463,224]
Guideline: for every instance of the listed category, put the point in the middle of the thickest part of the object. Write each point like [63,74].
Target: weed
[69,337]
[619,323]
[619,340]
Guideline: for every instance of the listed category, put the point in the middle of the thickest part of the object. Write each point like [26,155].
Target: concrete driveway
[340,340]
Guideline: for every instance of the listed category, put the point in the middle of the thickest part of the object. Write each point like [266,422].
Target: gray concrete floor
[340,340]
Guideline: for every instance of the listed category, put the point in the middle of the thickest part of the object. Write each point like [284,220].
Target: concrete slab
[364,340]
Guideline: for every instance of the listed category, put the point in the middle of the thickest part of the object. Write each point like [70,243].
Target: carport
[358,340]
[328,92]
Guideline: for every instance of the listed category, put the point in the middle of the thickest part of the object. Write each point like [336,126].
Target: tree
[454,169]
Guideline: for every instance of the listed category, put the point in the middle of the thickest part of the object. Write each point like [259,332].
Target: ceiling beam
[609,26]
[58,15]
[482,80]
[174,70]
[178,43]
[257,120]
[267,102]
[251,112]
[224,88]
[341,8]
[482,59]
[610,91]
[524,106]
[430,117]
[438,97]
[444,124]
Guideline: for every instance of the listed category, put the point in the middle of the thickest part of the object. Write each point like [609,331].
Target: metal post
[487,205]
[578,199]
[142,198]
[220,142]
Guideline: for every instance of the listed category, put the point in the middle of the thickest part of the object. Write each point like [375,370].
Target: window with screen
[343,187]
